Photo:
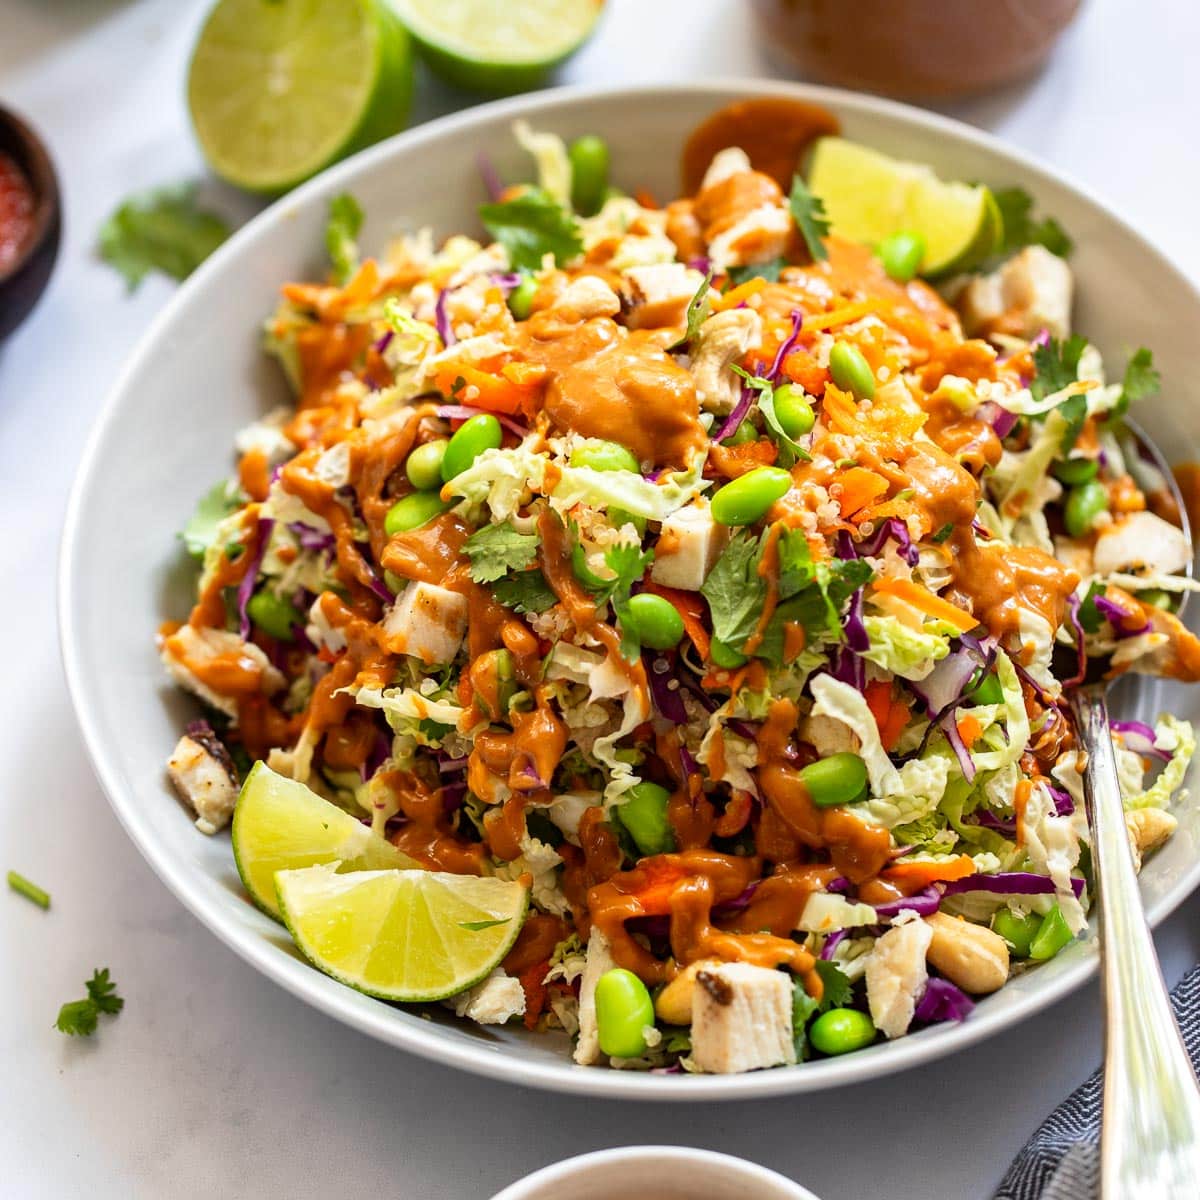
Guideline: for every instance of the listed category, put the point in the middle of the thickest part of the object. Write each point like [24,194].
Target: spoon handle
[1150,1134]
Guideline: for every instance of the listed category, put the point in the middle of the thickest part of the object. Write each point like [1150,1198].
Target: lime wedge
[868,196]
[279,89]
[498,46]
[279,825]
[402,935]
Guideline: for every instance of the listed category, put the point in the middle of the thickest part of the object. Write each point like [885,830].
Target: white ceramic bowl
[664,1172]
[165,434]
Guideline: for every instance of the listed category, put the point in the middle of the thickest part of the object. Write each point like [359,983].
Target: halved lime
[402,935]
[280,825]
[869,196]
[498,46]
[279,89]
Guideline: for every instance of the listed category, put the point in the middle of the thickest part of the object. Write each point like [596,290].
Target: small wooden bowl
[23,282]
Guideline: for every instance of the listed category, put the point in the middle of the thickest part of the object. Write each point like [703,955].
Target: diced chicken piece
[599,960]
[321,631]
[1141,544]
[828,735]
[896,976]
[1148,829]
[427,622]
[333,467]
[589,296]
[722,340]
[741,1019]
[567,809]
[497,999]
[661,294]
[190,652]
[688,546]
[204,775]
[267,437]
[733,160]
[1029,293]
[761,235]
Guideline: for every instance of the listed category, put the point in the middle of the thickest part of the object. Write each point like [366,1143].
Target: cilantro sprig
[1021,229]
[789,449]
[628,564]
[1141,381]
[530,226]
[809,214]
[836,993]
[211,509]
[341,232]
[495,550]
[79,1018]
[525,592]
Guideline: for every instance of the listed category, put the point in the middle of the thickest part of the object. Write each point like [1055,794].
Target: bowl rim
[378,1020]
[568,1170]
[34,162]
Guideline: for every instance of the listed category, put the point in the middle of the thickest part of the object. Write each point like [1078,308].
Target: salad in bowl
[648,620]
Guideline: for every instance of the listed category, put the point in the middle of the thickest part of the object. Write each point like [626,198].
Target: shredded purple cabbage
[246,587]
[735,418]
[381,750]
[441,321]
[506,280]
[1008,883]
[739,904]
[463,412]
[923,903]
[667,699]
[839,885]
[701,263]
[786,346]
[1139,737]
[384,342]
[857,638]
[1073,603]
[942,1001]
[310,538]
[453,794]
[893,527]
[1064,806]
[943,688]
[949,728]
[489,175]
[831,944]
[1116,616]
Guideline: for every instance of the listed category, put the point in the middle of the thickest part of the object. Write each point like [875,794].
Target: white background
[214,1083]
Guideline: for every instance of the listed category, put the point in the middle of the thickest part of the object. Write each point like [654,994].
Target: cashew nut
[1148,828]
[674,1003]
[971,956]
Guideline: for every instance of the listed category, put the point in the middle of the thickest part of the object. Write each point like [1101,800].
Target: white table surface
[213,1082]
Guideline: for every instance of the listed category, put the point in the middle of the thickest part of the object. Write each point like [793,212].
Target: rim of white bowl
[379,1020]
[594,1166]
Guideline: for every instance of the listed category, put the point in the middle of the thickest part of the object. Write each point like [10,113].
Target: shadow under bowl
[22,283]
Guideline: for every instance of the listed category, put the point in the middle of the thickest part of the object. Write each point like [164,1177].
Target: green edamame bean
[1051,937]
[1018,932]
[850,370]
[1073,471]
[413,511]
[623,1012]
[837,779]
[274,615]
[746,499]
[901,255]
[589,173]
[424,466]
[605,456]
[1157,597]
[724,655]
[656,621]
[841,1030]
[744,433]
[644,816]
[480,433]
[793,411]
[520,299]
[988,691]
[1084,504]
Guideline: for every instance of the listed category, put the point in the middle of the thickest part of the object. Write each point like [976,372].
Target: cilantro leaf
[628,564]
[809,213]
[1020,229]
[1141,381]
[525,592]
[789,448]
[735,591]
[836,993]
[102,992]
[495,550]
[698,310]
[804,1008]
[530,226]
[345,220]
[160,231]
[213,507]
[767,270]
[837,987]
[1089,614]
[78,1018]
[1057,365]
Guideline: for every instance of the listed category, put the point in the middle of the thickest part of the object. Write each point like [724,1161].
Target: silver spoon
[1150,1130]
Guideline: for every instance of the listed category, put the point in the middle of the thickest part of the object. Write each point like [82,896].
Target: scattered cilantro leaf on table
[163,231]
[79,1018]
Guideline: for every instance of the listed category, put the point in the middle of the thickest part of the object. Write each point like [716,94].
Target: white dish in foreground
[665,1172]
[199,375]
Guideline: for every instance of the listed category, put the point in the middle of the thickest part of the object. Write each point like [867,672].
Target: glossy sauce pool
[16,212]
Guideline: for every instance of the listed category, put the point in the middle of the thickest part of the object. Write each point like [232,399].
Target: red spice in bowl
[16,212]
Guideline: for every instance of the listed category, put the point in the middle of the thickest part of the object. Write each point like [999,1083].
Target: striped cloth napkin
[1062,1159]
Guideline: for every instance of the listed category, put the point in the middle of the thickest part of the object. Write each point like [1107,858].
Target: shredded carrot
[690,607]
[859,488]
[969,729]
[734,297]
[840,316]
[495,392]
[921,874]
[841,413]
[533,984]
[802,368]
[1021,794]
[922,598]
[889,716]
